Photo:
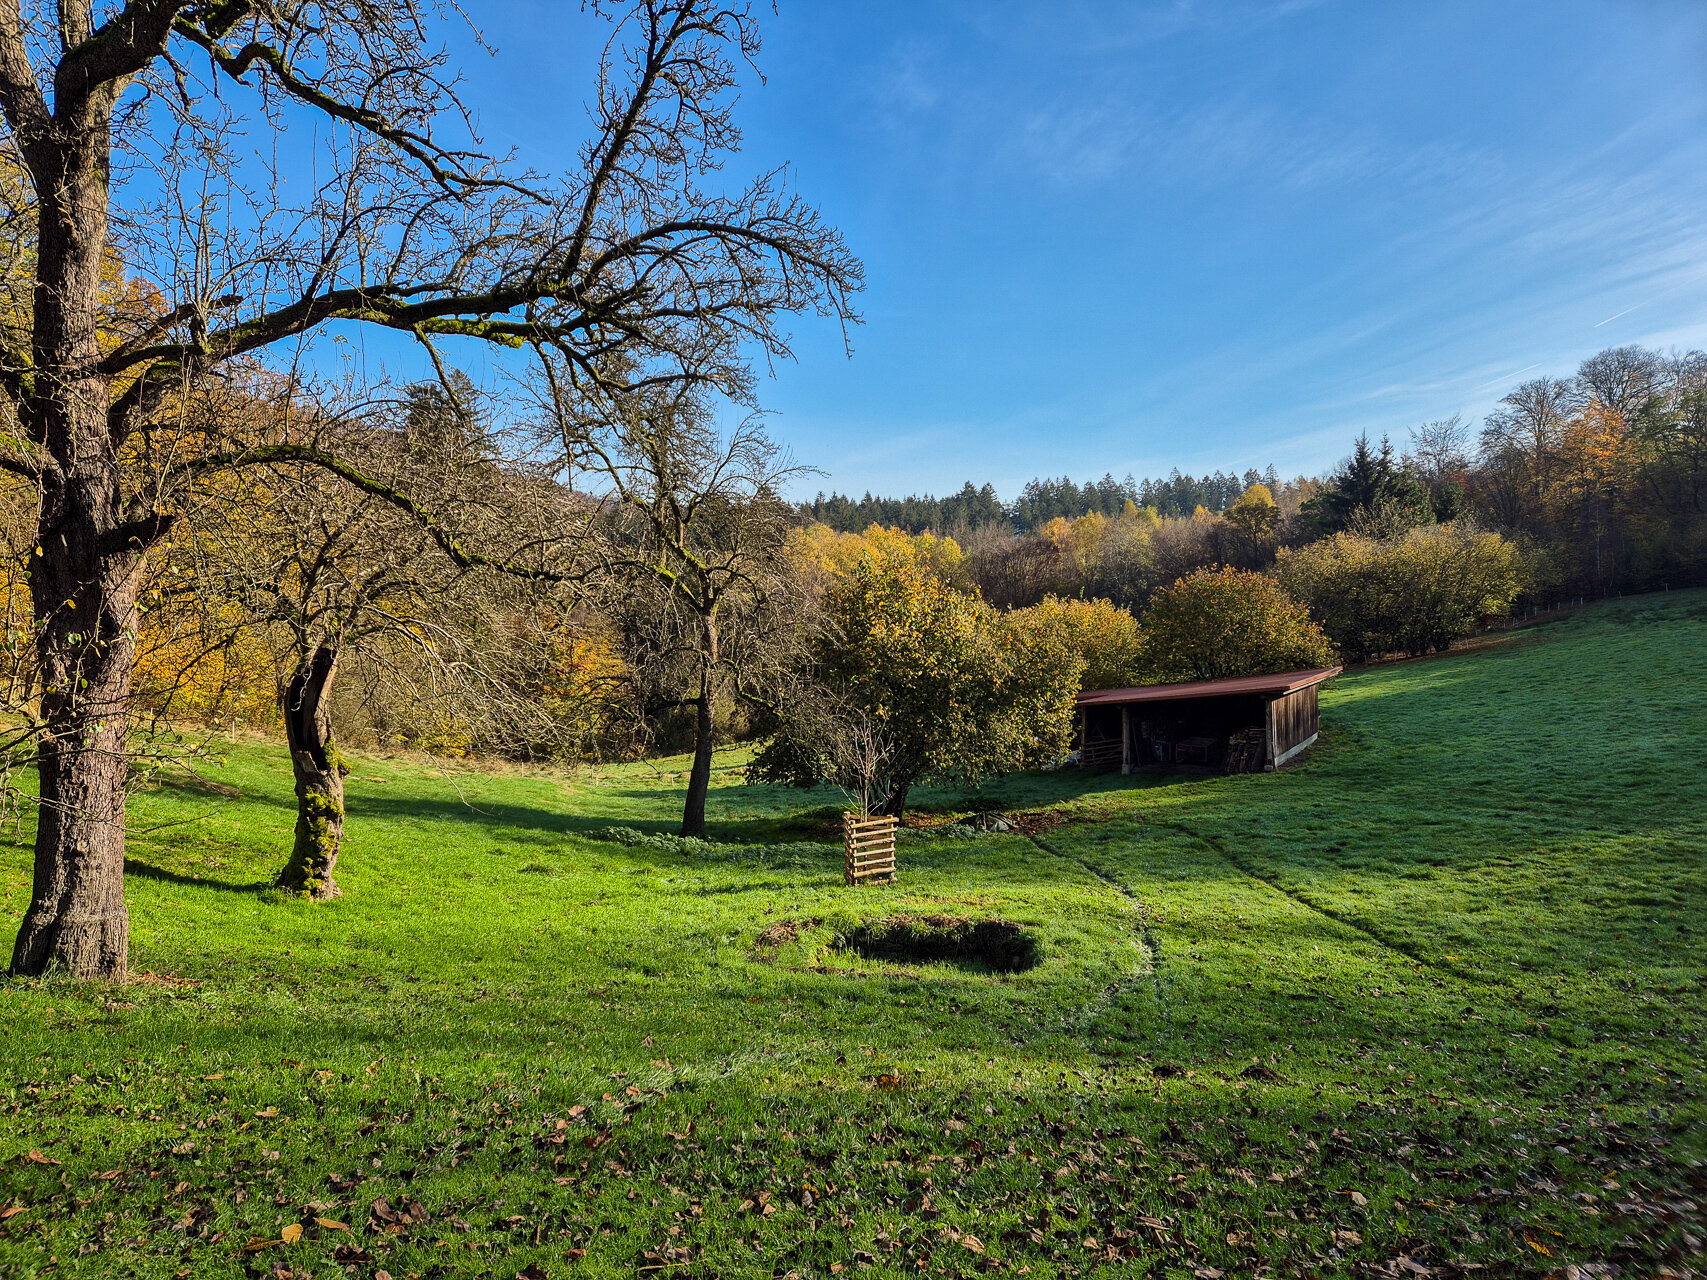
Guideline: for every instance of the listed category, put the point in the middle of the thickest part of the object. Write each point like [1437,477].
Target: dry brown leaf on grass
[331,1224]
[36,1157]
[291,1233]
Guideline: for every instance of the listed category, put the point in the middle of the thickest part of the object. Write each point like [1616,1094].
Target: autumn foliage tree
[1106,638]
[1230,622]
[957,690]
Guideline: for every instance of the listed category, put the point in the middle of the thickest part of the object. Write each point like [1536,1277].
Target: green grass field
[1431,1004]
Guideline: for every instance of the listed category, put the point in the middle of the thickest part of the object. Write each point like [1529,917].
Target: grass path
[1431,1004]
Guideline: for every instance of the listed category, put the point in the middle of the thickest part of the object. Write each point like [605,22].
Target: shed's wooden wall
[1293,719]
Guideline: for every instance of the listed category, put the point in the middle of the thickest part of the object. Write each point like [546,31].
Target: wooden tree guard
[870,846]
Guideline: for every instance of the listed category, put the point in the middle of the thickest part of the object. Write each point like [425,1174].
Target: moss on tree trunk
[320,773]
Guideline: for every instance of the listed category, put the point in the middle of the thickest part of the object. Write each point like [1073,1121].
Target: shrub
[1413,594]
[1226,622]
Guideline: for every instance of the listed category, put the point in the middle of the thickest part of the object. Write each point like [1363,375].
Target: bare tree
[125,117]
[694,551]
[1441,448]
[1525,431]
[333,576]
[1621,379]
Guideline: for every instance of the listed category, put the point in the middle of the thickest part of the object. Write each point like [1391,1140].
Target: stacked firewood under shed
[1246,751]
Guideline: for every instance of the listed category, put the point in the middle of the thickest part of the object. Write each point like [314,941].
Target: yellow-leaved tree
[929,683]
[1228,622]
[1106,638]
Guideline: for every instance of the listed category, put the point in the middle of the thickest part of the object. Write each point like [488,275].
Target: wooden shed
[1247,724]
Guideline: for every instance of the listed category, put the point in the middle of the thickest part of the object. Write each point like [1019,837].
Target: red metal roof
[1281,683]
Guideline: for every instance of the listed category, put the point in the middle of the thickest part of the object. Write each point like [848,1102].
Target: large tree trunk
[896,804]
[78,922]
[320,773]
[83,580]
[705,715]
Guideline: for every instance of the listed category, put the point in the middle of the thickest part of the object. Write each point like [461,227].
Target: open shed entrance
[1248,724]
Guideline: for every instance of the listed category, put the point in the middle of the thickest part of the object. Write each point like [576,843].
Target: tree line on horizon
[1601,477]
[1040,501]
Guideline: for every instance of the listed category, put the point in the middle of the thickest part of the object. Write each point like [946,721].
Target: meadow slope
[1430,1004]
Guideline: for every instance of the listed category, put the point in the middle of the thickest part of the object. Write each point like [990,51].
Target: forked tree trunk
[320,773]
[83,579]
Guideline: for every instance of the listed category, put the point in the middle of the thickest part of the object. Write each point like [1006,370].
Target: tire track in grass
[1398,948]
[1147,938]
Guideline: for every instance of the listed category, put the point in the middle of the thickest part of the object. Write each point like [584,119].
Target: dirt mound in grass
[775,935]
[1001,945]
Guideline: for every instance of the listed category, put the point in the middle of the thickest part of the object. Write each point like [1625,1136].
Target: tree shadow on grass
[653,808]
[145,871]
[530,824]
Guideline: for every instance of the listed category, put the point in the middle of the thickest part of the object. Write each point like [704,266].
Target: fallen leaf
[36,1157]
[576,1111]
[268,1114]
[108,1176]
[15,1209]
[331,1224]
[257,1243]
[291,1232]
[973,1243]
[533,1271]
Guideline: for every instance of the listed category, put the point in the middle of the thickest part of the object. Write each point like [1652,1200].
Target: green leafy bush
[1412,594]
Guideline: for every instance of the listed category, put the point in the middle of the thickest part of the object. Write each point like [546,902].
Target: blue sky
[1129,236]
